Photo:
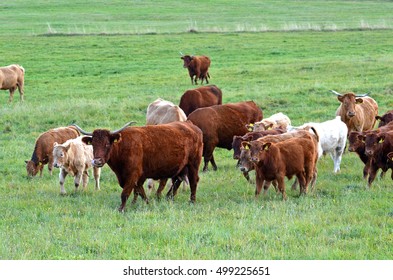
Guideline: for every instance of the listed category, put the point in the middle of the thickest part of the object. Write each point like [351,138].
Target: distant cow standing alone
[12,77]
[198,67]
[200,97]
[42,153]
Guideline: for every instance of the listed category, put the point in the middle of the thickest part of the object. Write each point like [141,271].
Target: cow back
[200,97]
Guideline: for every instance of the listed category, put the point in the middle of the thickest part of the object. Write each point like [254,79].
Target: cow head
[257,150]
[102,141]
[373,140]
[385,119]
[60,154]
[187,60]
[32,168]
[349,101]
[356,140]
[245,164]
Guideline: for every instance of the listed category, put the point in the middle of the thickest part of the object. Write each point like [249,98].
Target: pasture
[93,69]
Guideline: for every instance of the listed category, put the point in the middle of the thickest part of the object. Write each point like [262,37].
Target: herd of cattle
[175,139]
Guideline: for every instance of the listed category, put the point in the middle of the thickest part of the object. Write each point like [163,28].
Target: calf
[75,158]
[378,146]
[275,161]
[357,145]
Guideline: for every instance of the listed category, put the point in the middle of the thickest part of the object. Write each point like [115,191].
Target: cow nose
[350,149]
[351,114]
[243,169]
[97,162]
[369,152]
[56,165]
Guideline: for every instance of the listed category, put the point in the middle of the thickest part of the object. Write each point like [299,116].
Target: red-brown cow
[357,145]
[200,97]
[42,153]
[198,67]
[358,112]
[220,123]
[291,157]
[158,152]
[378,146]
[385,118]
[250,136]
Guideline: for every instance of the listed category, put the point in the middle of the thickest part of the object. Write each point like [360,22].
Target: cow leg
[173,190]
[40,168]
[85,179]
[62,176]
[295,184]
[281,187]
[193,179]
[372,174]
[258,185]
[245,174]
[266,186]
[77,180]
[314,178]
[21,91]
[97,175]
[302,182]
[50,166]
[12,90]
[161,187]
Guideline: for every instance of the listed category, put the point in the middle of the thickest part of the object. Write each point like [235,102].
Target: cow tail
[315,132]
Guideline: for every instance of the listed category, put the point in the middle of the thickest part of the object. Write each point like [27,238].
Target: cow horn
[181,54]
[362,95]
[336,93]
[119,130]
[81,130]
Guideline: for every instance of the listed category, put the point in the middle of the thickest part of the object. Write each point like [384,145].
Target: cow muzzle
[97,162]
[351,114]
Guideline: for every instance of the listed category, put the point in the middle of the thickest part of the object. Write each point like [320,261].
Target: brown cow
[160,151]
[275,161]
[378,146]
[198,67]
[200,97]
[42,153]
[12,77]
[357,145]
[219,123]
[74,157]
[358,112]
[385,118]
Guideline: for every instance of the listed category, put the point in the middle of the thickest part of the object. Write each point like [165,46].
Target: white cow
[332,137]
[75,158]
[160,112]
[278,120]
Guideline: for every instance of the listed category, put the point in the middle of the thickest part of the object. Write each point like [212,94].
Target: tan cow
[12,77]
[358,112]
[75,158]
[278,120]
[161,111]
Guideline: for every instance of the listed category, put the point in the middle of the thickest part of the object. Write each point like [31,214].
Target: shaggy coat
[42,153]
[198,67]
[158,152]
[12,77]
[220,123]
[200,97]
[75,158]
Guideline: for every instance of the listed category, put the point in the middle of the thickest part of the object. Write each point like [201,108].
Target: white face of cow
[59,155]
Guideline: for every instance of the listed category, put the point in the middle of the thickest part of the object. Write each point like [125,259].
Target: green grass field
[125,56]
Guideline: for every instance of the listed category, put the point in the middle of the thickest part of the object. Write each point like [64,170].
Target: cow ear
[55,144]
[250,127]
[390,156]
[378,118]
[115,137]
[269,126]
[87,140]
[359,100]
[245,145]
[182,57]
[381,139]
[340,98]
[266,146]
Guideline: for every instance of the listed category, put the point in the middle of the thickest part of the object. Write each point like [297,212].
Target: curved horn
[81,130]
[119,130]
[181,54]
[336,93]
[362,95]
